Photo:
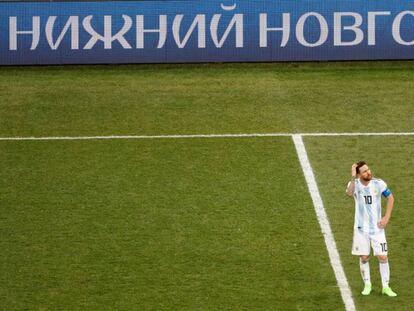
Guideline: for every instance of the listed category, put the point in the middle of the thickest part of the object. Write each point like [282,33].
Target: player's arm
[390,205]
[351,185]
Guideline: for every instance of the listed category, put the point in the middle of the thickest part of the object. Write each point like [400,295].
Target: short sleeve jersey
[368,204]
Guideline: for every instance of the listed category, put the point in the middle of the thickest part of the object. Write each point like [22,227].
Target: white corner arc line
[324,223]
[201,136]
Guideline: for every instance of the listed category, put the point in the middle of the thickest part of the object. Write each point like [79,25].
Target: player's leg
[366,274]
[361,247]
[385,276]
[379,244]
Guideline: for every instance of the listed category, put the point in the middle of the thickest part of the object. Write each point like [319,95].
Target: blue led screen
[204,31]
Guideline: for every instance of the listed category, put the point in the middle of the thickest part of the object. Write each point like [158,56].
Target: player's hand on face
[353,170]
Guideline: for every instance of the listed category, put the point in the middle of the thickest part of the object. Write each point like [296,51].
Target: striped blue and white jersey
[368,204]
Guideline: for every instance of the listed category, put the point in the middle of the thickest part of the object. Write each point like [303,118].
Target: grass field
[202,223]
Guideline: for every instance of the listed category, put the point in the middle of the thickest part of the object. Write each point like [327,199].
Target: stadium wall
[205,31]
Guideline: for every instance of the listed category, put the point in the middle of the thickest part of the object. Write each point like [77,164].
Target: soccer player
[370,224]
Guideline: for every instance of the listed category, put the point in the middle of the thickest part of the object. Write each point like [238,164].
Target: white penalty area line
[324,223]
[203,136]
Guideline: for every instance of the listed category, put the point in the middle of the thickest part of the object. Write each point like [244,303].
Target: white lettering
[141,30]
[228,7]
[285,29]
[73,23]
[236,21]
[323,25]
[359,35]
[371,25]
[107,38]
[199,21]
[13,32]
[396,27]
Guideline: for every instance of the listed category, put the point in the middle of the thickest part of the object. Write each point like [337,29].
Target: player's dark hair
[359,165]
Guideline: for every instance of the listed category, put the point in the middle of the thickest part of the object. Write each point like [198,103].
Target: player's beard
[368,178]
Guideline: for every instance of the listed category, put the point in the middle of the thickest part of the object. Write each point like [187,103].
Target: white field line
[202,136]
[146,136]
[324,223]
[358,134]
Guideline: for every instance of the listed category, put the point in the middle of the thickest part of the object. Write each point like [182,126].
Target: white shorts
[363,242]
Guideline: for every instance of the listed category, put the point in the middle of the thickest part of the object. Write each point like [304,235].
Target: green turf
[215,98]
[184,225]
[195,224]
[390,158]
